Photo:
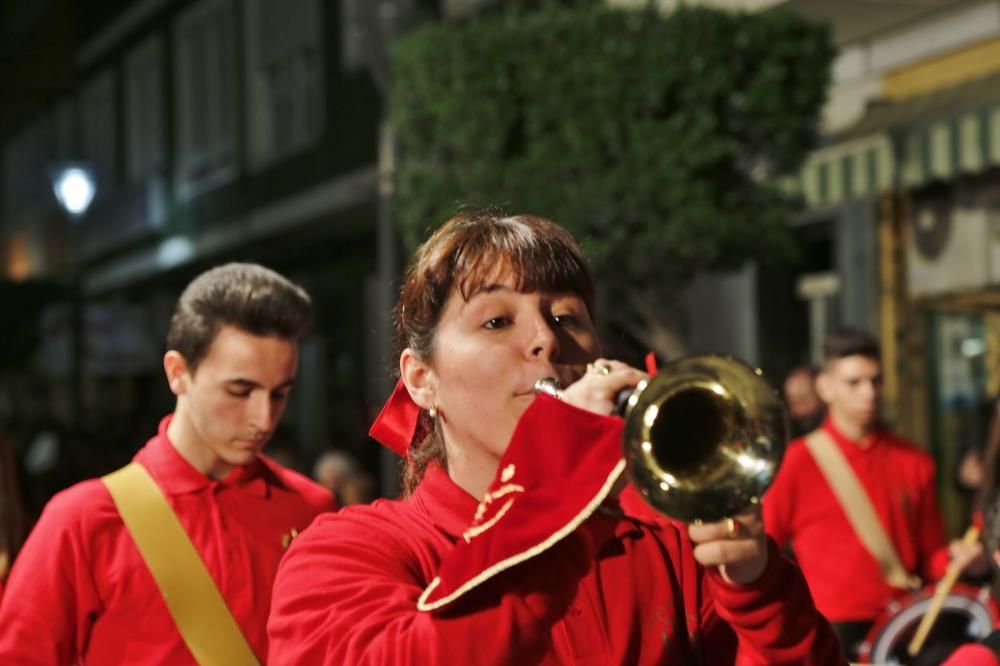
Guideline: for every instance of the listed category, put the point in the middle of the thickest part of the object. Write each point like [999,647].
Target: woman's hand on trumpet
[600,385]
[736,545]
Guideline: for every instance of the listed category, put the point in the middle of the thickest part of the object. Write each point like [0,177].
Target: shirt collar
[852,446]
[446,503]
[176,476]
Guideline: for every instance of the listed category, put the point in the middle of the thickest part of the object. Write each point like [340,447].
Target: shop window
[98,137]
[27,157]
[284,77]
[206,86]
[144,110]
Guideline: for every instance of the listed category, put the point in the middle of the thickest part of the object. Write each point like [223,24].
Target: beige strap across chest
[195,603]
[858,506]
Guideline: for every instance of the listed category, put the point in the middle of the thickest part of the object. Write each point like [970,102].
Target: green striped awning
[846,171]
[907,144]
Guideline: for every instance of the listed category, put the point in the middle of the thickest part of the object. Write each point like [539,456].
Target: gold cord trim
[514,560]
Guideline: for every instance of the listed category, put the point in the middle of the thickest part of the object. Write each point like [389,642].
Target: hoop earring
[433,412]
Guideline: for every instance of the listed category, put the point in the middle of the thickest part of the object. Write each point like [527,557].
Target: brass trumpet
[703,437]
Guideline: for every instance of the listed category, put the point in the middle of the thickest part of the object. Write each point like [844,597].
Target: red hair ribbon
[398,424]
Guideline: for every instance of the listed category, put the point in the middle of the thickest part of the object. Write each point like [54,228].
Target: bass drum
[968,614]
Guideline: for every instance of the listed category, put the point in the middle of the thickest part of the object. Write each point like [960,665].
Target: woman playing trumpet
[511,546]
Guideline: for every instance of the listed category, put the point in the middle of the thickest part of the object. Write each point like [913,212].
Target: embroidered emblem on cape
[481,523]
[547,484]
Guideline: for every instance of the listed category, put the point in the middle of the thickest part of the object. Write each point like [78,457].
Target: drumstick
[940,592]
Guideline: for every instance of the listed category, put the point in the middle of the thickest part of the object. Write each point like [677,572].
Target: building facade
[216,130]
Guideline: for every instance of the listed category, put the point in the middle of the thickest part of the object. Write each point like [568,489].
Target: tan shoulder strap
[198,609]
[857,505]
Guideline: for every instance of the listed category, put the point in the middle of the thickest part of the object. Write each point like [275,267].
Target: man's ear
[176,368]
[419,378]
[824,387]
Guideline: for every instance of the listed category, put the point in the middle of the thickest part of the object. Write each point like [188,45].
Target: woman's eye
[496,322]
[564,320]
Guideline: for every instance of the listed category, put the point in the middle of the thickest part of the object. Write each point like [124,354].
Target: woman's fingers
[737,545]
[747,525]
[597,389]
[722,552]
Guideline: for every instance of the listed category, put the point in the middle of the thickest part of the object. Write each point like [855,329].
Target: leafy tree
[657,139]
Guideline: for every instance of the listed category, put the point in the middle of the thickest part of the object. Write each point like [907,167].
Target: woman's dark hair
[249,297]
[465,255]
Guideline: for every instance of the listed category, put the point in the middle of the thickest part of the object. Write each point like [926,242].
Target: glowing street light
[74,187]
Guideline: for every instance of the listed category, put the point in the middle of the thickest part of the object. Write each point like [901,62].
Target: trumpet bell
[704,438]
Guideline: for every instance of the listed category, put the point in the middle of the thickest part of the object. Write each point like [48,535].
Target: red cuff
[561,464]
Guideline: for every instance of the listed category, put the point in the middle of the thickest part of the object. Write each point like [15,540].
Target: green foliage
[656,139]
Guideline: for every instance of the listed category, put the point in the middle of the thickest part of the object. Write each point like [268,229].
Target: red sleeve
[774,619]
[50,596]
[346,593]
[933,548]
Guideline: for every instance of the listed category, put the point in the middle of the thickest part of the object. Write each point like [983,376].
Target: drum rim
[876,646]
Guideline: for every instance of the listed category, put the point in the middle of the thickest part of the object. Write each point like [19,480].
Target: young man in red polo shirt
[802,510]
[81,591]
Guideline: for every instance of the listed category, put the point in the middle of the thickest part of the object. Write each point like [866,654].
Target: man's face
[236,396]
[852,389]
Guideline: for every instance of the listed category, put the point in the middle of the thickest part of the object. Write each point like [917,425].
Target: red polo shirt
[80,592]
[800,509]
[616,590]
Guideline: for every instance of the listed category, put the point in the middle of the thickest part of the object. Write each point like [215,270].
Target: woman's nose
[545,342]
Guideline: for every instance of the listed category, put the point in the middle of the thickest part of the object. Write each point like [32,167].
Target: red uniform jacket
[801,509]
[612,590]
[80,592]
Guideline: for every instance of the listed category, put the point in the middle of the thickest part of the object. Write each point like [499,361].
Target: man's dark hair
[249,297]
[845,342]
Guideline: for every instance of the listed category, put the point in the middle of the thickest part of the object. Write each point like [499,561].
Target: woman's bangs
[533,263]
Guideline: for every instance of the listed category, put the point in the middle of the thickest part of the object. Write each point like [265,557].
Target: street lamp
[75,187]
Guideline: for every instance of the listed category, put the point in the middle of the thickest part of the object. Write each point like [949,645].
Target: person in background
[511,546]
[341,474]
[805,409]
[87,589]
[801,508]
